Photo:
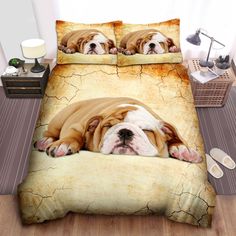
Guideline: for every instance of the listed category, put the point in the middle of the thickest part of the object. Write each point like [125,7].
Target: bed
[94,183]
[90,182]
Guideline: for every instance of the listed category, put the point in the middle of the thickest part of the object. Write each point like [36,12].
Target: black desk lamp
[196,40]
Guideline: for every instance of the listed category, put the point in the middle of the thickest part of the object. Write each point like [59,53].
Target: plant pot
[219,71]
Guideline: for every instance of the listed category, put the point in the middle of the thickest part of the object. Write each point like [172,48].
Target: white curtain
[216,17]
[3,62]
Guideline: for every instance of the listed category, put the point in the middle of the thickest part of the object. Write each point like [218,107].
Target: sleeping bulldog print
[148,41]
[113,126]
[89,41]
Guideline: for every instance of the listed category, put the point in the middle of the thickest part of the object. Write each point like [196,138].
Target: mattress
[93,183]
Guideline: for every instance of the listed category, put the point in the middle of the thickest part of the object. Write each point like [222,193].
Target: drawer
[24,90]
[22,83]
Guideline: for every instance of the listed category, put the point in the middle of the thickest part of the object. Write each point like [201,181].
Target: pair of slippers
[220,156]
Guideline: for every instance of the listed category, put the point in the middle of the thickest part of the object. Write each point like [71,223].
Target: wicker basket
[213,93]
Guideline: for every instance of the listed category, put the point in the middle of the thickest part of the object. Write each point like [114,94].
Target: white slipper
[213,168]
[222,158]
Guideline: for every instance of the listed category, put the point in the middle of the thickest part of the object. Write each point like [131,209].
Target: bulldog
[89,41]
[148,41]
[113,126]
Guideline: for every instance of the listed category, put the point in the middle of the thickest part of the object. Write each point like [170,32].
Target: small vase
[219,71]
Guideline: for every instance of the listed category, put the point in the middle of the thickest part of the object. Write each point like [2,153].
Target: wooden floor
[224,223]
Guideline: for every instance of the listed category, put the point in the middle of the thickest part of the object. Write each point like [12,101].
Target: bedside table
[28,85]
[213,93]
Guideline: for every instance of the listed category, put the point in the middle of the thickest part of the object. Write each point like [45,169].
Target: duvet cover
[91,172]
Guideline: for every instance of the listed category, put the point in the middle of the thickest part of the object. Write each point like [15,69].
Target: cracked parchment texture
[94,183]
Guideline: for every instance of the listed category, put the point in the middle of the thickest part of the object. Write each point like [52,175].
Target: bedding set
[117,132]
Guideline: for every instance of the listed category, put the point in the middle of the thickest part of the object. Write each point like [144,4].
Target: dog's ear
[171,46]
[110,44]
[138,42]
[93,124]
[171,133]
[80,40]
[170,42]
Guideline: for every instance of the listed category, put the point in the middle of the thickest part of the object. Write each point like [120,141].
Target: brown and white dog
[89,41]
[148,41]
[113,126]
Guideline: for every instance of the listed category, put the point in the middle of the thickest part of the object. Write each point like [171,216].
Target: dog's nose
[92,45]
[125,134]
[152,45]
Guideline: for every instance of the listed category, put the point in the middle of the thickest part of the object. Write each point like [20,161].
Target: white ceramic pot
[219,71]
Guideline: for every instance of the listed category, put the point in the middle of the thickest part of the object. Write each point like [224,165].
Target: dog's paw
[181,152]
[174,49]
[61,47]
[128,52]
[113,51]
[69,50]
[63,147]
[120,50]
[42,143]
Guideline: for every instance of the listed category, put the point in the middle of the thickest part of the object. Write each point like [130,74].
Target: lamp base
[209,64]
[37,68]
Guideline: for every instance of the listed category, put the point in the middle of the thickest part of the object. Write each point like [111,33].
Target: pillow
[148,43]
[86,43]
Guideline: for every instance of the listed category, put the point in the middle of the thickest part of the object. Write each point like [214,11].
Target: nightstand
[29,85]
[213,93]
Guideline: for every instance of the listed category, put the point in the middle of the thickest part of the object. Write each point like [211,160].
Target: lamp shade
[194,38]
[33,48]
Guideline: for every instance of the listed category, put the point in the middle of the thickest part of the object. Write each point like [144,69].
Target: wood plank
[17,121]
[76,224]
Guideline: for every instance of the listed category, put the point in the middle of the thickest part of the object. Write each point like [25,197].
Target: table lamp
[34,49]
[196,40]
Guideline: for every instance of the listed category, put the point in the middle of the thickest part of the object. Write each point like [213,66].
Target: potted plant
[222,64]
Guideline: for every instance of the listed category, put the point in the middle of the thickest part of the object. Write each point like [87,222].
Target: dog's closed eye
[107,125]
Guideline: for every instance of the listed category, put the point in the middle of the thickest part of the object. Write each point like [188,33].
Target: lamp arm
[212,39]
[208,54]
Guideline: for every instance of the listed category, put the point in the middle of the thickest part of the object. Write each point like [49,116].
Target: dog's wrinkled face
[153,43]
[127,138]
[95,43]
[138,133]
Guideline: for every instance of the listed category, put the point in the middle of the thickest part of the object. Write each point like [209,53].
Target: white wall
[17,23]
[3,62]
[214,16]
[233,51]
[17,19]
